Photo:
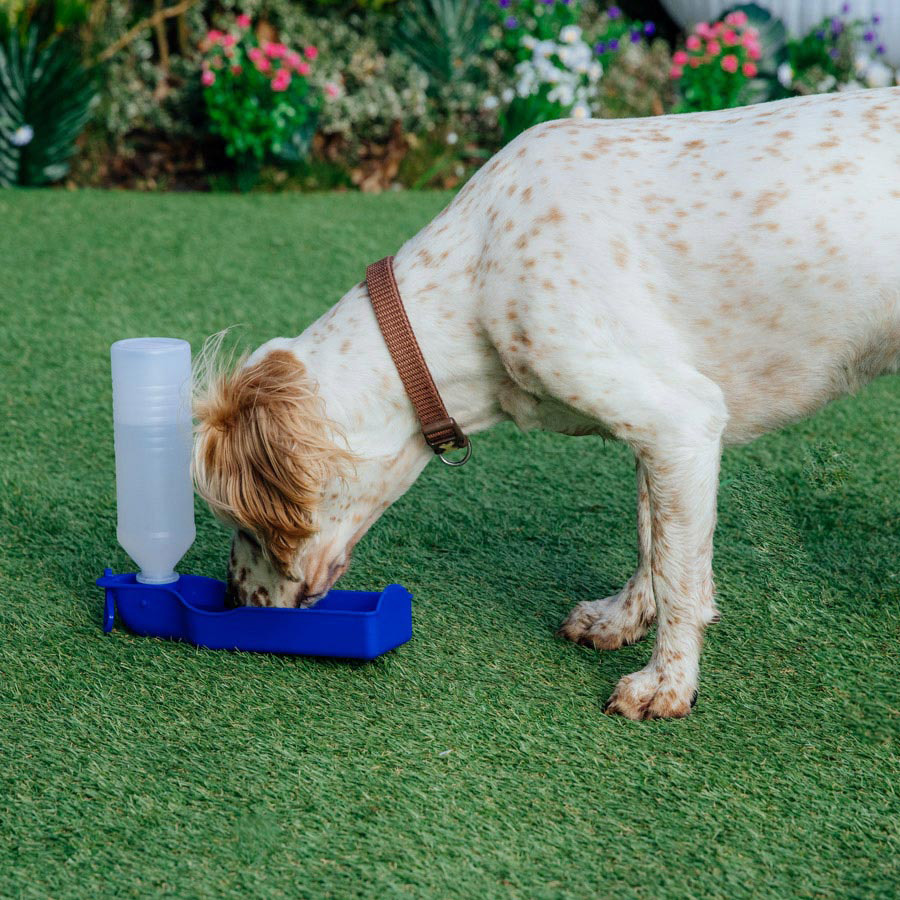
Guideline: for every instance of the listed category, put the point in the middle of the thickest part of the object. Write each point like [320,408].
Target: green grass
[474,761]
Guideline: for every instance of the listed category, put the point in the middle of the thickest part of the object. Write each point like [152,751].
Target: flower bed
[279,94]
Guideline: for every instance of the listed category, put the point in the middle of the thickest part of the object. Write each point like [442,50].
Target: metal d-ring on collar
[439,429]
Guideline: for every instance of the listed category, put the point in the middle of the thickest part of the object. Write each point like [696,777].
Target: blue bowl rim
[110,580]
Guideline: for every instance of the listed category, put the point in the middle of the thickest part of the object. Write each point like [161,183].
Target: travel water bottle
[152,421]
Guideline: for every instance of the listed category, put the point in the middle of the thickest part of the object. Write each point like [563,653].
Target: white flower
[490,102]
[452,137]
[570,34]
[22,136]
[528,41]
[850,86]
[595,70]
[562,93]
[786,75]
[861,63]
[580,111]
[878,74]
[507,95]
[828,82]
[544,49]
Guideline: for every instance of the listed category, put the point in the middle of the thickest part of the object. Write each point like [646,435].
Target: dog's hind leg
[625,617]
[681,456]
[673,418]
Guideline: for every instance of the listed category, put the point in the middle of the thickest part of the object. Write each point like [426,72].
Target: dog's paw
[613,622]
[653,693]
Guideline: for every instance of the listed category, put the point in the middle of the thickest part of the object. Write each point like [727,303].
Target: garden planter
[799,15]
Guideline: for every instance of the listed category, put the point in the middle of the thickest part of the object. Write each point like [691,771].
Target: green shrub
[46,96]
[442,37]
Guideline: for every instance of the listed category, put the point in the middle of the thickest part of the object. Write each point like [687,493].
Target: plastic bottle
[152,421]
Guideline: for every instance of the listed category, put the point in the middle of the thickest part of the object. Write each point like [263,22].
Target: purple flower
[837,26]
[614,44]
[869,36]
[649,29]
[834,53]
[845,8]
[503,3]
[820,35]
[881,49]
[614,12]
[549,2]
[635,36]
[511,22]
[876,19]
[600,48]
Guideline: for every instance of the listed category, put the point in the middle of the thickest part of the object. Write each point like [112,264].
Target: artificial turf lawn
[474,761]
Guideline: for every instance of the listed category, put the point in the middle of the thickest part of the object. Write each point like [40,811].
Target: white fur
[676,283]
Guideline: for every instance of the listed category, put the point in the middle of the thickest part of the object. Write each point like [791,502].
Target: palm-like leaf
[442,36]
[46,88]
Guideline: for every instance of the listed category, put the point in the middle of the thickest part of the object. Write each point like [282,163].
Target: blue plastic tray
[350,624]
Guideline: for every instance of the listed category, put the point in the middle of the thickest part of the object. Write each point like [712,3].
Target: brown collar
[440,430]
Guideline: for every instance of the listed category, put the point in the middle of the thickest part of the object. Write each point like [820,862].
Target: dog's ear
[264,450]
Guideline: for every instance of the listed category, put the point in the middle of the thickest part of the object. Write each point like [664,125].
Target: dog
[677,283]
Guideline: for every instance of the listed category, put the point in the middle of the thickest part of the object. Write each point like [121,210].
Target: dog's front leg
[682,473]
[625,617]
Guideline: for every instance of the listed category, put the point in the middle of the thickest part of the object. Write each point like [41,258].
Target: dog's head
[273,466]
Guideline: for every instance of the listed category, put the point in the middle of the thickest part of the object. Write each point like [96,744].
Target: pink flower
[693,42]
[730,63]
[750,70]
[255,54]
[704,30]
[676,72]
[208,78]
[680,58]
[331,89]
[214,36]
[736,18]
[228,40]
[311,52]
[754,52]
[718,28]
[274,51]
[292,59]
[713,48]
[243,20]
[236,69]
[730,38]
[281,80]
[696,62]
[262,64]
[303,68]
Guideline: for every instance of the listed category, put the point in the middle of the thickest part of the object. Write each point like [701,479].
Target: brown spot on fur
[765,201]
[620,252]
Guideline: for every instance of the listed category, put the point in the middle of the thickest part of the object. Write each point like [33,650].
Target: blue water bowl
[349,624]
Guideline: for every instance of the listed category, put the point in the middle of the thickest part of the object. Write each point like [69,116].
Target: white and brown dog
[677,283]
